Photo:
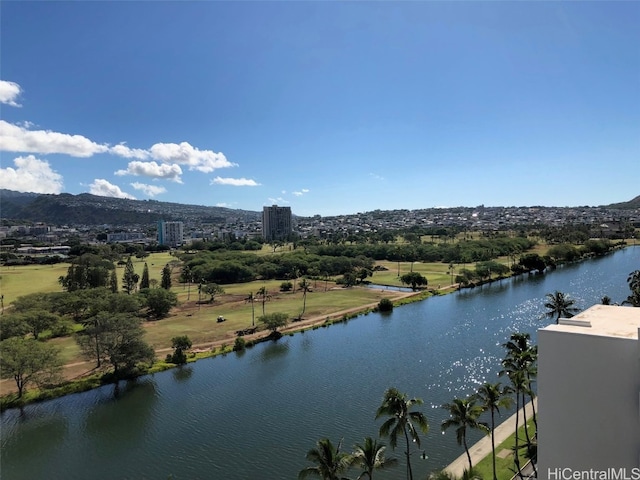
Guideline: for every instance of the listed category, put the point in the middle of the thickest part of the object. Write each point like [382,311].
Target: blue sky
[328,107]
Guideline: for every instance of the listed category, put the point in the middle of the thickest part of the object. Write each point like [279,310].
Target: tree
[212,289]
[250,299]
[273,321]
[116,339]
[28,361]
[402,421]
[113,281]
[90,338]
[12,326]
[522,357]
[330,461]
[560,305]
[187,277]
[464,414]
[606,300]
[39,320]
[264,296]
[180,344]
[371,457]
[86,271]
[385,305]
[305,286]
[159,301]
[144,281]
[129,278]
[533,261]
[166,277]
[634,285]
[518,365]
[492,397]
[348,279]
[362,273]
[414,279]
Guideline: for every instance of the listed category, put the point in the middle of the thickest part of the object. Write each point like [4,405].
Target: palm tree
[560,305]
[523,356]
[263,293]
[370,457]
[402,421]
[305,286]
[330,461]
[634,285]
[492,397]
[606,300]
[464,414]
[250,299]
[519,366]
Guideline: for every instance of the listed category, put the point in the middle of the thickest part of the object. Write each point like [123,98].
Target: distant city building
[170,233]
[588,392]
[122,237]
[276,223]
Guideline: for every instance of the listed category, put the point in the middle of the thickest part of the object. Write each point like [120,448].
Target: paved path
[483,448]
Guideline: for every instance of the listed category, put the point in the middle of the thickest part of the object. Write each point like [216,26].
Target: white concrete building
[589,395]
[170,233]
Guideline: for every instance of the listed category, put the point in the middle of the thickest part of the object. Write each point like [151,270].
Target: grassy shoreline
[221,343]
[200,351]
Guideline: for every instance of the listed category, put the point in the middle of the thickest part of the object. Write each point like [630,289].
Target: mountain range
[87,209]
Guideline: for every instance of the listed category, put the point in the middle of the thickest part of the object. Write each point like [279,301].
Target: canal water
[254,415]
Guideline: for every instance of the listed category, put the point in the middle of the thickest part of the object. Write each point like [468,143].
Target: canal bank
[482,448]
[221,417]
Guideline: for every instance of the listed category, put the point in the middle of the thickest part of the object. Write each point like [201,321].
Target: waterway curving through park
[254,415]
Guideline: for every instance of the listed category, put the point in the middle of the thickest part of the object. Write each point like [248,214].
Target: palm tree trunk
[466,449]
[304,303]
[493,444]
[526,426]
[533,407]
[409,472]
[516,458]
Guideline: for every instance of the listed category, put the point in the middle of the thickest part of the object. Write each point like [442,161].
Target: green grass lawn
[199,321]
[436,273]
[23,280]
[504,463]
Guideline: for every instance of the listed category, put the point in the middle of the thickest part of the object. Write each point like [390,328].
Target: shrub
[239,344]
[385,305]
[286,286]
[62,329]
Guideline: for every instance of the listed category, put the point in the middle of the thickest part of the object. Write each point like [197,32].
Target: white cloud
[14,138]
[153,170]
[123,151]
[301,192]
[376,176]
[184,154]
[104,188]
[236,182]
[149,190]
[274,201]
[9,92]
[223,204]
[31,175]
